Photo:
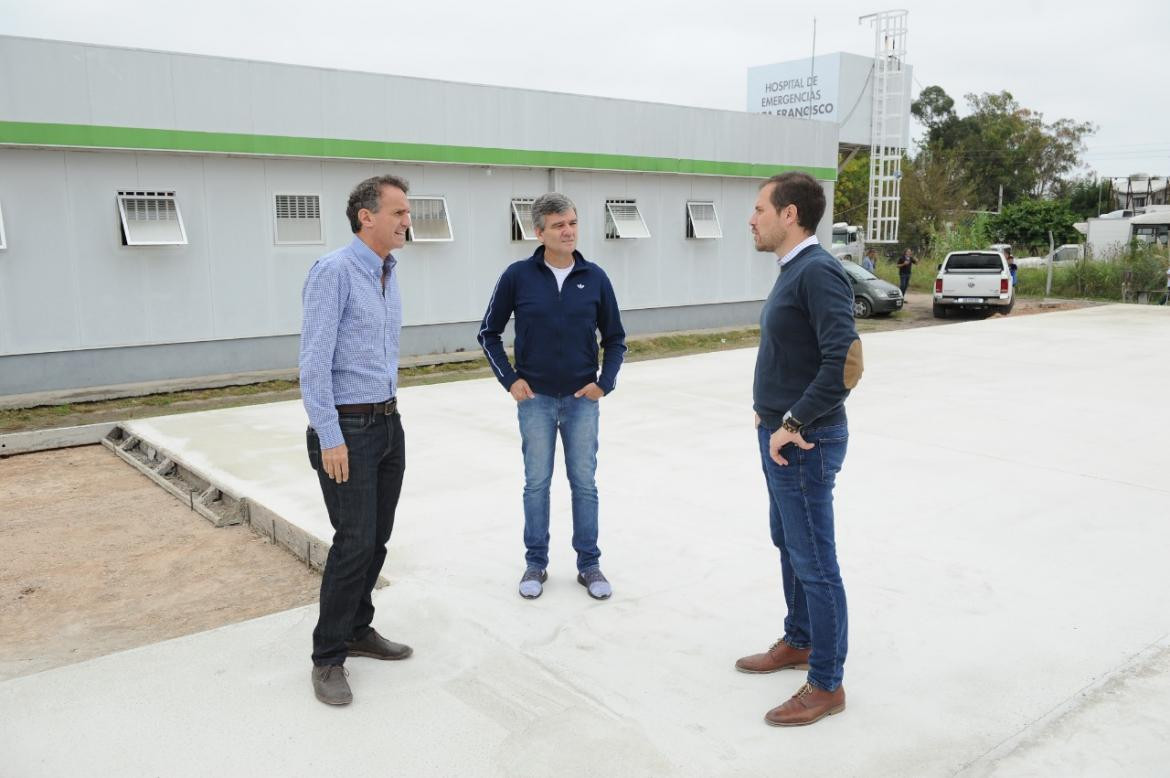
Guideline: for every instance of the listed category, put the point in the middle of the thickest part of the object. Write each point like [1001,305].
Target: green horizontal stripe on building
[134,138]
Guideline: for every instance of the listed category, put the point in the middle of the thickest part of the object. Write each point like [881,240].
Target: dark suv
[871,295]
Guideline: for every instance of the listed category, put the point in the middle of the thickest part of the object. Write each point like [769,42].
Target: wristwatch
[791,423]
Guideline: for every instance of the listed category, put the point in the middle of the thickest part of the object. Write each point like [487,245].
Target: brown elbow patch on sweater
[854,364]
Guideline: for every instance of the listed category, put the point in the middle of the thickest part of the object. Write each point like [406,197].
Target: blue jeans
[800,498]
[577,419]
[361,511]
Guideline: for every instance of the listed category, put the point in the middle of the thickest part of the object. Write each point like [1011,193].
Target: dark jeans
[800,500]
[361,511]
[903,282]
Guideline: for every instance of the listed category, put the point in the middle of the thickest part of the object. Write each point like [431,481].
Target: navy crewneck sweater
[810,355]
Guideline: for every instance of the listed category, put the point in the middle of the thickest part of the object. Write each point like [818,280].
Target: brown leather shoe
[808,705]
[780,656]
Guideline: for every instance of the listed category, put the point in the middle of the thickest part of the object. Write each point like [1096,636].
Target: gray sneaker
[532,584]
[330,686]
[596,583]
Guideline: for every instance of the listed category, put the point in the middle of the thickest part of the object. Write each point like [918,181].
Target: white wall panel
[444,266]
[212,96]
[176,296]
[353,106]
[43,81]
[242,260]
[130,88]
[38,270]
[688,265]
[410,115]
[533,122]
[472,117]
[111,277]
[287,101]
[644,263]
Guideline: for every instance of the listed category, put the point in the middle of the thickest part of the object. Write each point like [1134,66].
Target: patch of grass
[682,343]
[269,391]
[424,371]
[639,348]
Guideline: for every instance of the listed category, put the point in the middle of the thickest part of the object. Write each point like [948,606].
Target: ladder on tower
[890,105]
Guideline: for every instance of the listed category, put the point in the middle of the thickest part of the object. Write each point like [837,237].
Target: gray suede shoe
[595,583]
[375,646]
[532,584]
[330,686]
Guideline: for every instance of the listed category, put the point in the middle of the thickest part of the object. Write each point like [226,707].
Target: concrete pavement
[1002,525]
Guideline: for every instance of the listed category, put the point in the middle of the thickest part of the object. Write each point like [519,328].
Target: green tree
[851,193]
[1027,222]
[935,195]
[1085,197]
[1000,144]
[935,109]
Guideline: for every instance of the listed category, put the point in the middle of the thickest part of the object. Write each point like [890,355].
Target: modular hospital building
[159,211]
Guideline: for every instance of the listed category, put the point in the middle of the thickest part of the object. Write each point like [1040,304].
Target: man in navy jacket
[809,360]
[561,302]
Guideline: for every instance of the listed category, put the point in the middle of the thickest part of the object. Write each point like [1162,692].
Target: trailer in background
[1106,236]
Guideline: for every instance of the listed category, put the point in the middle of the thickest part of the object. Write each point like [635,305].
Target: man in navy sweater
[561,302]
[809,360]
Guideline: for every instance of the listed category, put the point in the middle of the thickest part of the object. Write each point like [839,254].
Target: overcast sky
[1100,62]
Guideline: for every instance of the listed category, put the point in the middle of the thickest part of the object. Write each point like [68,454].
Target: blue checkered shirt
[349,335]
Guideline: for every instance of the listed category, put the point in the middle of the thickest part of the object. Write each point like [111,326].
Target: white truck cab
[974,280]
[848,242]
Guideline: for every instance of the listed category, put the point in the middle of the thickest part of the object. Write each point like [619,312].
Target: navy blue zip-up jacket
[556,332]
[810,355]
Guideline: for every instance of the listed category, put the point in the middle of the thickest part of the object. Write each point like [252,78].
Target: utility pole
[812,60]
[1052,250]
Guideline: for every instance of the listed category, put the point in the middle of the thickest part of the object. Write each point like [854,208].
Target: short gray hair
[549,204]
[368,195]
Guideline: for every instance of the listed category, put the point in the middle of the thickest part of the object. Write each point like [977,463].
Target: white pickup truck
[975,280]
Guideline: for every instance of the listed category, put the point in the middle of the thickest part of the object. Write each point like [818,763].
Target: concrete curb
[14,443]
[214,502]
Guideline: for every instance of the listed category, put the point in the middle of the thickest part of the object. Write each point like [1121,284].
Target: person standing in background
[869,261]
[906,264]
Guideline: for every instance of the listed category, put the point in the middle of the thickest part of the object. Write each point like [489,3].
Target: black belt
[388,408]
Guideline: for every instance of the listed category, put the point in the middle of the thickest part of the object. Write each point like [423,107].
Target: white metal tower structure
[890,104]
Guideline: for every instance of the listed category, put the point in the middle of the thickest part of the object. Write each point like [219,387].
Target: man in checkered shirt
[352,321]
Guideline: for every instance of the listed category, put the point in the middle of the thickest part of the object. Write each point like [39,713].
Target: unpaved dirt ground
[918,313]
[95,558]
